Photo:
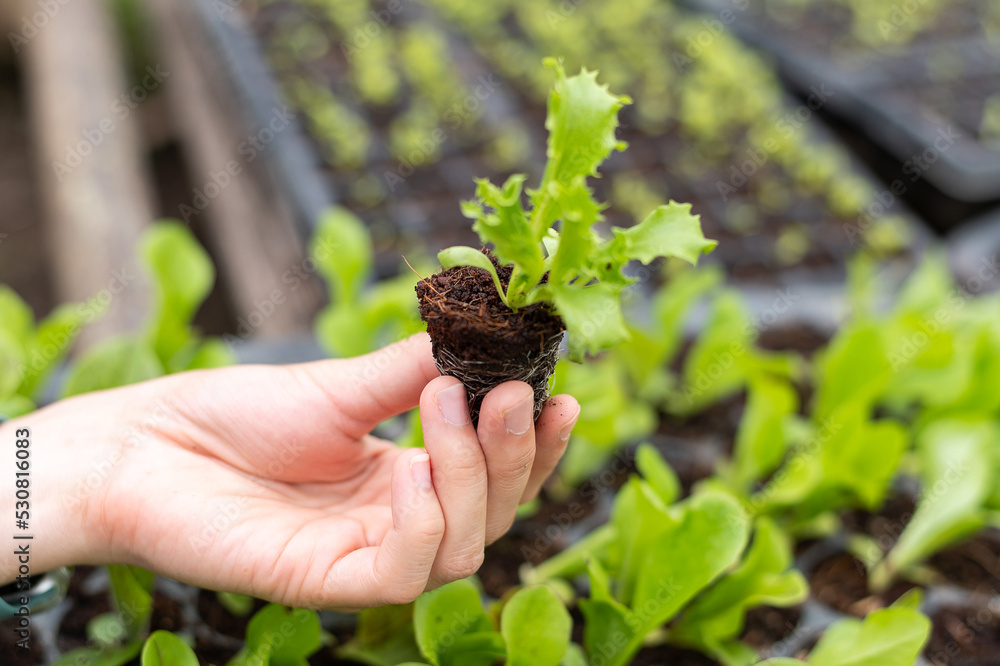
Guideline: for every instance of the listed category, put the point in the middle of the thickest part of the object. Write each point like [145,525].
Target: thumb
[397,570]
[382,384]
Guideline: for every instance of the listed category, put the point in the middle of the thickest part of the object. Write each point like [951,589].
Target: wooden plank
[92,173]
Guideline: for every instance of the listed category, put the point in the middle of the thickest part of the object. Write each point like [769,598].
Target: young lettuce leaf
[536,627]
[889,637]
[28,352]
[182,275]
[716,618]
[572,268]
[959,465]
[452,628]
[163,648]
[362,316]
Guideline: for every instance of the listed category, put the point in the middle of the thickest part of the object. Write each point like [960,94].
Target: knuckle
[467,471]
[464,565]
[511,474]
[404,593]
[430,530]
[499,530]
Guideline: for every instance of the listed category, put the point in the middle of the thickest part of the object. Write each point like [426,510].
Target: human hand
[264,480]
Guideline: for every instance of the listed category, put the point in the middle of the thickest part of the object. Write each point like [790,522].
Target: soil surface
[974,565]
[478,339]
[766,625]
[965,637]
[841,582]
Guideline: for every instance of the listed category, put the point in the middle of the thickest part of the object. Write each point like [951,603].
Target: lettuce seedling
[30,351]
[277,635]
[654,557]
[550,269]
[453,628]
[164,648]
[959,466]
[116,637]
[725,357]
[572,268]
[362,316]
[889,637]
[182,274]
[714,621]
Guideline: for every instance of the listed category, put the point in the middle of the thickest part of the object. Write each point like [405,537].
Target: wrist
[46,459]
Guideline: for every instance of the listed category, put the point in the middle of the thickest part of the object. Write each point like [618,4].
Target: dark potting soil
[668,655]
[766,625]
[799,338]
[11,654]
[974,565]
[218,617]
[841,582]
[965,637]
[886,524]
[73,628]
[478,339]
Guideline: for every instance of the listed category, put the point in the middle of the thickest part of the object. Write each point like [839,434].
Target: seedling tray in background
[896,100]
[422,209]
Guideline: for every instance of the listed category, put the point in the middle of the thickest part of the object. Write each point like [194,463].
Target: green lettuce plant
[164,648]
[959,472]
[451,627]
[280,636]
[764,577]
[363,314]
[725,357]
[679,569]
[889,637]
[572,268]
[30,350]
[182,274]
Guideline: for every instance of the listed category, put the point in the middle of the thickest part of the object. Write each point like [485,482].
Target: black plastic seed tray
[922,103]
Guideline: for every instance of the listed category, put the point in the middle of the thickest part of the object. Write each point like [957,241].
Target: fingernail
[420,469]
[452,403]
[518,419]
[567,429]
